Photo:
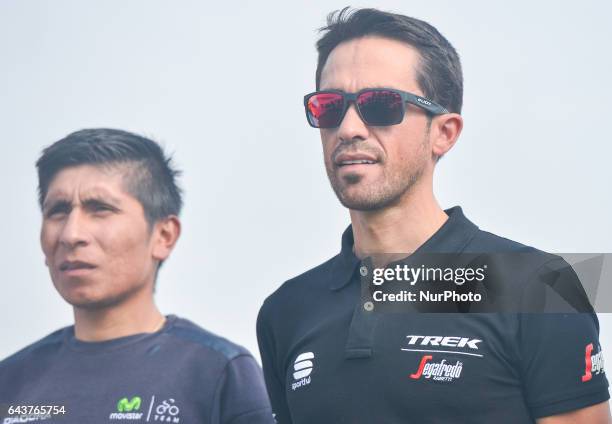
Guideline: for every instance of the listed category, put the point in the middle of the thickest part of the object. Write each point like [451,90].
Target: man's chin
[93,303]
[361,193]
[365,202]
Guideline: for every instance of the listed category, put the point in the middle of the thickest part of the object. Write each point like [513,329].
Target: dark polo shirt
[328,360]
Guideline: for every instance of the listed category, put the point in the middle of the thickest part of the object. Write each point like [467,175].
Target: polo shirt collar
[452,237]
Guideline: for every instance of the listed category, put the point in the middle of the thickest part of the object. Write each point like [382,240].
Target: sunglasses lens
[381,107]
[324,110]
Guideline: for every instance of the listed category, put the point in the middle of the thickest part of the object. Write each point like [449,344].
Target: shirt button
[363,271]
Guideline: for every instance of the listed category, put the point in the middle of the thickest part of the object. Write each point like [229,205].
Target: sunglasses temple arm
[424,103]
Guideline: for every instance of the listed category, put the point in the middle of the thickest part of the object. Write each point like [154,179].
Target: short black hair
[439,74]
[150,175]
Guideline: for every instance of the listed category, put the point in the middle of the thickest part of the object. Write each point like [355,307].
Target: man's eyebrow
[97,201]
[100,198]
[90,199]
[55,203]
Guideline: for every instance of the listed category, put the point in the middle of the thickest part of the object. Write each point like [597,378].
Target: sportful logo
[303,367]
[593,363]
[125,408]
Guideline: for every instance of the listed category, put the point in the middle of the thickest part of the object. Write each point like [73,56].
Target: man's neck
[401,228]
[133,316]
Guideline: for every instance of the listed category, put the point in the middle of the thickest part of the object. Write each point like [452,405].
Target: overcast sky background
[222,88]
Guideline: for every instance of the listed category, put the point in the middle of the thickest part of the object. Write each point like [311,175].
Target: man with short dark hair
[110,206]
[388,103]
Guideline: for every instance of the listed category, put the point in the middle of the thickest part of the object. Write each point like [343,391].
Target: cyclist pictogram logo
[167,412]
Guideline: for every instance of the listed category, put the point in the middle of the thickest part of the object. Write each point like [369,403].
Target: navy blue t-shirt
[180,374]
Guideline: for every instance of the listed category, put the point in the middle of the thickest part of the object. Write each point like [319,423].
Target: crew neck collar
[113,344]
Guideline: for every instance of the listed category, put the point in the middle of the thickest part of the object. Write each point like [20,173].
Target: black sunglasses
[375,106]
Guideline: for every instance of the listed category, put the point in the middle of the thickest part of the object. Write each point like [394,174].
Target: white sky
[532,164]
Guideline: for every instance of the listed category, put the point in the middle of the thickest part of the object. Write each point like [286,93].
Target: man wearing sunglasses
[110,206]
[388,103]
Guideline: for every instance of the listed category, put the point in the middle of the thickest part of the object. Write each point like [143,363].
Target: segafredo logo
[437,371]
[593,363]
[302,367]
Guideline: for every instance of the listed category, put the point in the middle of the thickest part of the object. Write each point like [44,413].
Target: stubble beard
[388,191]
[373,197]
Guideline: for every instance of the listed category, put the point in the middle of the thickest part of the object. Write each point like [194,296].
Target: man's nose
[74,231]
[352,126]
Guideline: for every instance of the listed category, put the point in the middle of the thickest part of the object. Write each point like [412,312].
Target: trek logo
[593,363]
[303,367]
[125,408]
[437,371]
[444,341]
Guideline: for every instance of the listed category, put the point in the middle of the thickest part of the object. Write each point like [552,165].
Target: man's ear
[445,130]
[165,235]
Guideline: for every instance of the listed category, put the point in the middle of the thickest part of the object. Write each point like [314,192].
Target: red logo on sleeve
[587,363]
[593,363]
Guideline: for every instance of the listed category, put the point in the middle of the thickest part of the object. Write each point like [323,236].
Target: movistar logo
[125,405]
